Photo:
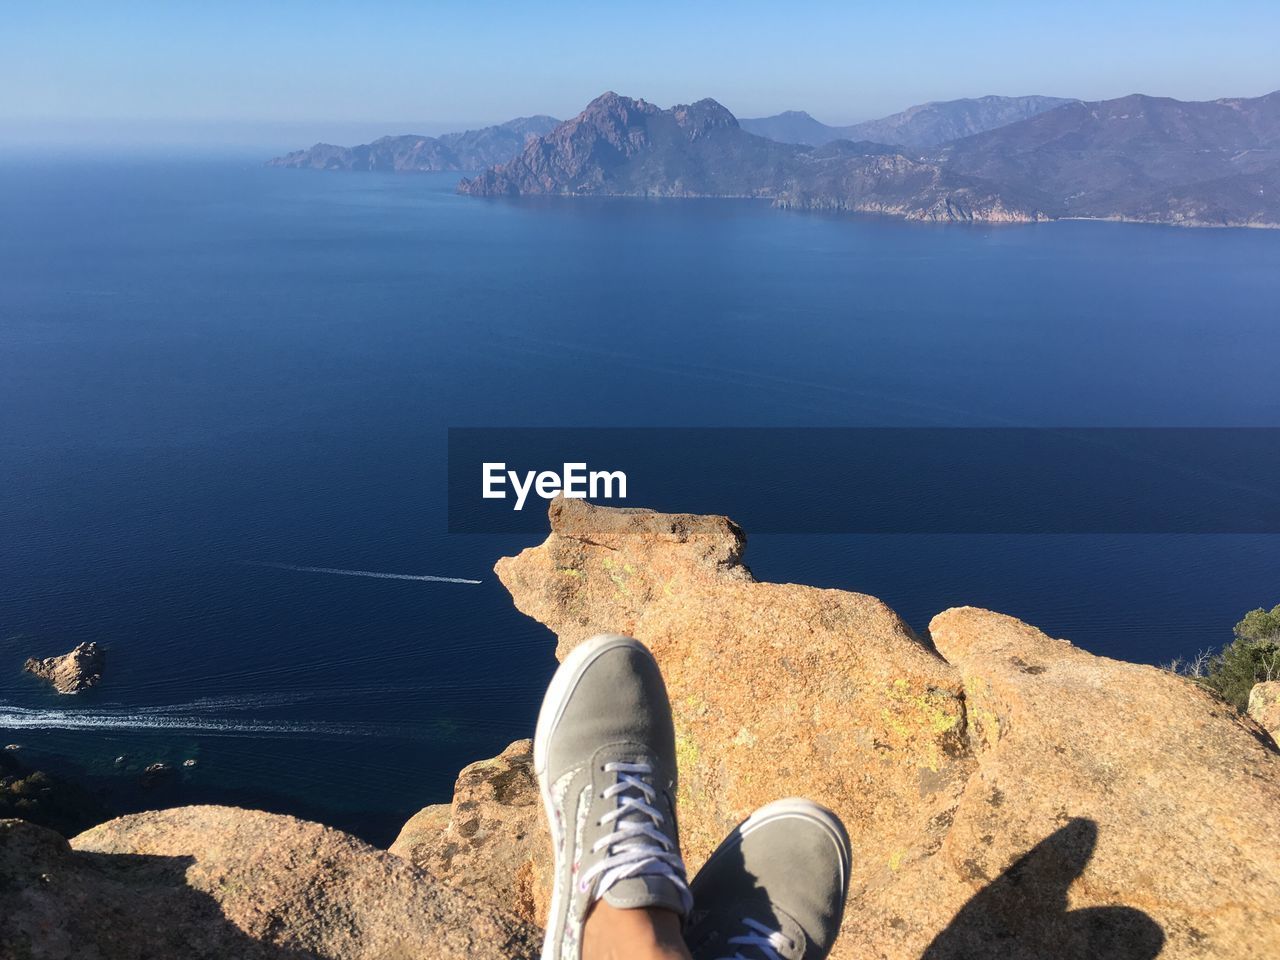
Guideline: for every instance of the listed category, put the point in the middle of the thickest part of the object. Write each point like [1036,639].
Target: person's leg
[775,888]
[649,934]
[604,755]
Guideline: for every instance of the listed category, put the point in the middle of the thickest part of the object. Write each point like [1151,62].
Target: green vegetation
[49,801]
[1253,656]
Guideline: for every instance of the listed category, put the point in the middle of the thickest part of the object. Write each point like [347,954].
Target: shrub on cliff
[46,800]
[1252,657]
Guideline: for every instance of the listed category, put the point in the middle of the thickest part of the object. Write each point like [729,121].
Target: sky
[299,70]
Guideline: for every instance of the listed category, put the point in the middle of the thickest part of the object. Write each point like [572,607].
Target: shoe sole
[561,688]
[797,808]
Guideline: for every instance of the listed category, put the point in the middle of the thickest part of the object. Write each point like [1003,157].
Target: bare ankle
[641,934]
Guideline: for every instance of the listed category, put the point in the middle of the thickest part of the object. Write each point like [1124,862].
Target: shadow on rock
[56,904]
[1023,914]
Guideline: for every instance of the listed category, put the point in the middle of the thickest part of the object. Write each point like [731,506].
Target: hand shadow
[1023,915]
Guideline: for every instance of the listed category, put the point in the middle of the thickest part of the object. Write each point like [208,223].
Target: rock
[1264,707]
[490,841]
[155,773]
[1145,783]
[217,882]
[1020,798]
[72,672]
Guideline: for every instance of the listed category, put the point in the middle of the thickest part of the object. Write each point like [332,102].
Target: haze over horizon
[240,74]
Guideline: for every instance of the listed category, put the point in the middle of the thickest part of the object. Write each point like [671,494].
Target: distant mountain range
[926,125]
[1134,158]
[470,150]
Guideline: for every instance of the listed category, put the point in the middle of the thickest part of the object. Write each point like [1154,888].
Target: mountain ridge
[1196,163]
[920,126]
[465,150]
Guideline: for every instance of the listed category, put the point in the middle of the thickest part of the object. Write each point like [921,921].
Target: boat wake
[359,573]
[178,718]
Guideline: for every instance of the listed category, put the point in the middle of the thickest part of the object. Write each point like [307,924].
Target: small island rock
[72,672]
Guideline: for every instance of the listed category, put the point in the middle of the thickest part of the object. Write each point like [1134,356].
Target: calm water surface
[208,365]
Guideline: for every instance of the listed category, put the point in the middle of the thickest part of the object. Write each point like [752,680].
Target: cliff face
[1008,795]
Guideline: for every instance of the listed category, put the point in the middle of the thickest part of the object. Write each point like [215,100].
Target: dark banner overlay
[879,480]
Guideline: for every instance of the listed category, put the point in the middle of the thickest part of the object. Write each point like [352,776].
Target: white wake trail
[359,573]
[20,718]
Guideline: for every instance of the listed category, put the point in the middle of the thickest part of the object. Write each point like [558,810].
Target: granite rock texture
[1008,795]
[219,882]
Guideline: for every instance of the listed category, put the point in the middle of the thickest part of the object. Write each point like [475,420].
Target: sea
[220,383]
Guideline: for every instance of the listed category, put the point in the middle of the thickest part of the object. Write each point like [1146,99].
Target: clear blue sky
[323,64]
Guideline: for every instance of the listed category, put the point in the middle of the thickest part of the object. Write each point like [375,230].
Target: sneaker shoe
[605,757]
[774,889]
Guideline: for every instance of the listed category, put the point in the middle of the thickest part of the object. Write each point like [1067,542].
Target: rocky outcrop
[490,841]
[1008,795]
[72,672]
[216,882]
[1264,707]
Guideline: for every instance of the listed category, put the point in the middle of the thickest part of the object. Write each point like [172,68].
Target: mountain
[793,126]
[926,125]
[1136,158]
[1139,157]
[621,146]
[469,150]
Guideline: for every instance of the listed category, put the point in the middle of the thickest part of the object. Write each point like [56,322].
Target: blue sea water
[210,366]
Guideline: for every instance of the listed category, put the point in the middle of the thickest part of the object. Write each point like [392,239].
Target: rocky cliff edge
[1008,794]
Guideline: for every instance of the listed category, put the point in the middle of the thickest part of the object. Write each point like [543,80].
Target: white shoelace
[769,941]
[639,848]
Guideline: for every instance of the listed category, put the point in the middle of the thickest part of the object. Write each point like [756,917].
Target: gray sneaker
[774,889]
[605,756]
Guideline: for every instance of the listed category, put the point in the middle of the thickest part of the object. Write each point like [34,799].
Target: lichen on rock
[1008,795]
[490,840]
